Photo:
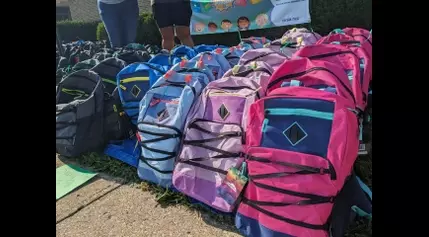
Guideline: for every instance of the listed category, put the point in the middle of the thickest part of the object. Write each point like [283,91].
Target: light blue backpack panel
[161,121]
[217,63]
[195,69]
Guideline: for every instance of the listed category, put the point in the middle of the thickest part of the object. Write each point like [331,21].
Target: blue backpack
[161,121]
[181,52]
[133,81]
[232,54]
[194,68]
[207,48]
[217,63]
[162,59]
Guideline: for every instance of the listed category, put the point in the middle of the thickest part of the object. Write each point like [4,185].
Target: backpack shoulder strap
[368,191]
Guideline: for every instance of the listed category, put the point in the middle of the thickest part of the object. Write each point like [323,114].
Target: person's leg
[129,20]
[182,19]
[161,15]
[109,16]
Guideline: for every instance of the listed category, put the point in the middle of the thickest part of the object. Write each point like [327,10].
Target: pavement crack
[87,204]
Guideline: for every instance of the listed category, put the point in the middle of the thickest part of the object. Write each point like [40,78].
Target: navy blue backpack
[133,81]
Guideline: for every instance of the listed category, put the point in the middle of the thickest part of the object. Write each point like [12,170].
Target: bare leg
[167,34]
[184,34]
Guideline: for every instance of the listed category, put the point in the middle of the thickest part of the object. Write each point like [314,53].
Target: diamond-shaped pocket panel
[223,112]
[295,134]
[163,114]
[135,91]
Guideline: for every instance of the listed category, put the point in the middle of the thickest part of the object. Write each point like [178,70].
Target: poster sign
[219,16]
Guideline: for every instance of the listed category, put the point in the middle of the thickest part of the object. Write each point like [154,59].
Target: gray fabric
[65,131]
[108,69]
[83,130]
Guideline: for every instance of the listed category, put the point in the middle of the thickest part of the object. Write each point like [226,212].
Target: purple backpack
[283,47]
[301,36]
[214,135]
[271,57]
[257,71]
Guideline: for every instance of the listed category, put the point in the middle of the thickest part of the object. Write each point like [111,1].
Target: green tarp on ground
[69,177]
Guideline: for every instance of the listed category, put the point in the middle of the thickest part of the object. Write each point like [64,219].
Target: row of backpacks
[268,130]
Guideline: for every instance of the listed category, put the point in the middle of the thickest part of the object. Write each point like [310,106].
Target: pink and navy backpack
[213,139]
[271,57]
[320,75]
[343,57]
[301,144]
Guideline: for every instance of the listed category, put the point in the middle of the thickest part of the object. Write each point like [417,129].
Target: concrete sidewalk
[105,207]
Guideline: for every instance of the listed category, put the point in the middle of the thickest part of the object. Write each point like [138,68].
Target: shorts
[172,14]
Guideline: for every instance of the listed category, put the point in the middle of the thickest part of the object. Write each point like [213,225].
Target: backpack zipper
[109,81]
[342,52]
[261,56]
[289,76]
[366,38]
[300,112]
[133,79]
[332,54]
[246,72]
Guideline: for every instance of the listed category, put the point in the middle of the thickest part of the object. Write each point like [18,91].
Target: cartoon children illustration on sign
[199,27]
[243,23]
[212,26]
[226,25]
[261,20]
[241,3]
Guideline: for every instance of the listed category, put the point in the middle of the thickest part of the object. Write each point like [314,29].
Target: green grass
[112,167]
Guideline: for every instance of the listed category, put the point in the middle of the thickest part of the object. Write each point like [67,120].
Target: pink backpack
[361,50]
[213,140]
[315,74]
[343,57]
[362,35]
[271,57]
[352,37]
[301,144]
[258,71]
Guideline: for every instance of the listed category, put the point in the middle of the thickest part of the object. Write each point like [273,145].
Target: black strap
[298,203]
[199,165]
[287,220]
[288,192]
[157,159]
[246,72]
[227,153]
[219,137]
[305,169]
[278,175]
[196,126]
[157,150]
[142,159]
[161,137]
[213,157]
